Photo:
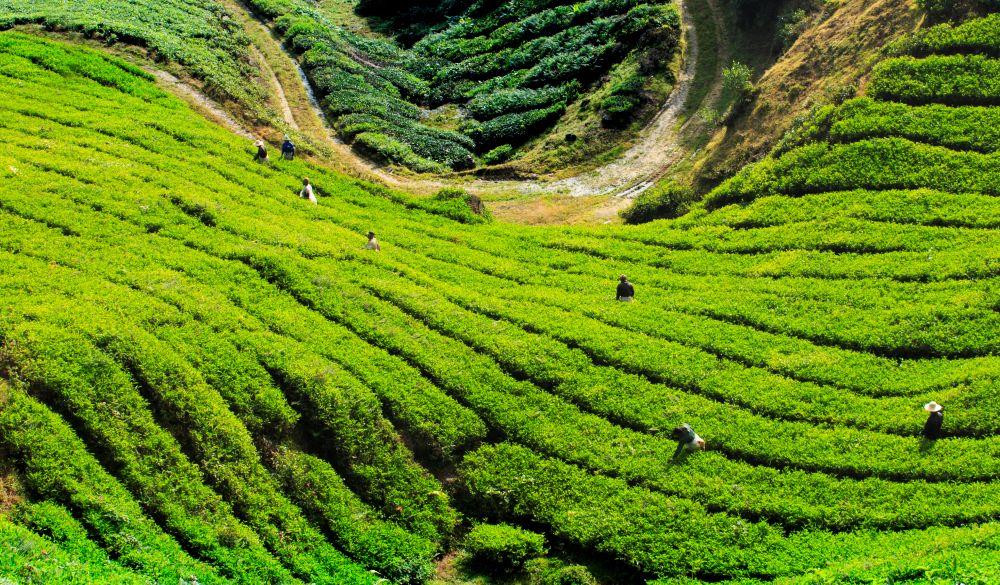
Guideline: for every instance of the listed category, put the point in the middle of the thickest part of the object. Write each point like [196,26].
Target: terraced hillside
[207,379]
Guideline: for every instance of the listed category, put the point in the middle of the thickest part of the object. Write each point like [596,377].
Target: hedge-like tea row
[198,35]
[949,79]
[662,535]
[105,403]
[339,65]
[391,551]
[55,465]
[977,35]
[159,240]
[880,163]
[235,469]
[789,356]
[960,128]
[918,206]
[666,449]
[349,419]
[24,555]
[705,374]
[499,412]
[603,390]
[445,430]
[492,105]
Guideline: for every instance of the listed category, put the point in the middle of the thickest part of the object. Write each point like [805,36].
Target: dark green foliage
[500,547]
[622,101]
[390,150]
[492,105]
[662,201]
[514,128]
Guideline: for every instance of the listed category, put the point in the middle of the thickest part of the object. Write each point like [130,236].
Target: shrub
[502,547]
[516,127]
[665,200]
[498,155]
[569,575]
[624,98]
[790,26]
[459,205]
[737,84]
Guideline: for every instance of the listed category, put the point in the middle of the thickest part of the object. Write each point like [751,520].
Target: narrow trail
[656,150]
[277,90]
[199,101]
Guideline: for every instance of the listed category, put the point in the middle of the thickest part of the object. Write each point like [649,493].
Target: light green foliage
[200,35]
[29,558]
[664,200]
[500,547]
[947,79]
[208,376]
[737,82]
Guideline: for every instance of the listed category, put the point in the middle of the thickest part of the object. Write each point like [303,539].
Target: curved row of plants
[156,251]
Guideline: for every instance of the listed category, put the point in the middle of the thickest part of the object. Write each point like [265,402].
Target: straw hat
[933,407]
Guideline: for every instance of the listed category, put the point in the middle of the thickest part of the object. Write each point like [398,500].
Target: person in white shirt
[307,192]
[372,243]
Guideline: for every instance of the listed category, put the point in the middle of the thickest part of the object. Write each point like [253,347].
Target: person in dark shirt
[261,150]
[288,148]
[625,292]
[932,428]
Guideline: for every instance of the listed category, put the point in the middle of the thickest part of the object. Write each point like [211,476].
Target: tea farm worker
[932,428]
[687,440]
[307,192]
[288,148]
[625,292]
[372,243]
[261,150]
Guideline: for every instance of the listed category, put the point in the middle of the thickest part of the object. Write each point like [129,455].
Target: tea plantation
[513,66]
[205,378]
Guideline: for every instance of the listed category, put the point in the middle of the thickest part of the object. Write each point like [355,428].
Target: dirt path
[277,90]
[199,101]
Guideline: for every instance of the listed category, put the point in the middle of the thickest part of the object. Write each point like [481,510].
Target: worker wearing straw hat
[932,428]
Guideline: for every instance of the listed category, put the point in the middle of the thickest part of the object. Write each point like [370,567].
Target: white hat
[933,407]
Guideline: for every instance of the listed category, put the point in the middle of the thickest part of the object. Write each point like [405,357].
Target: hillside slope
[208,376]
[841,43]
